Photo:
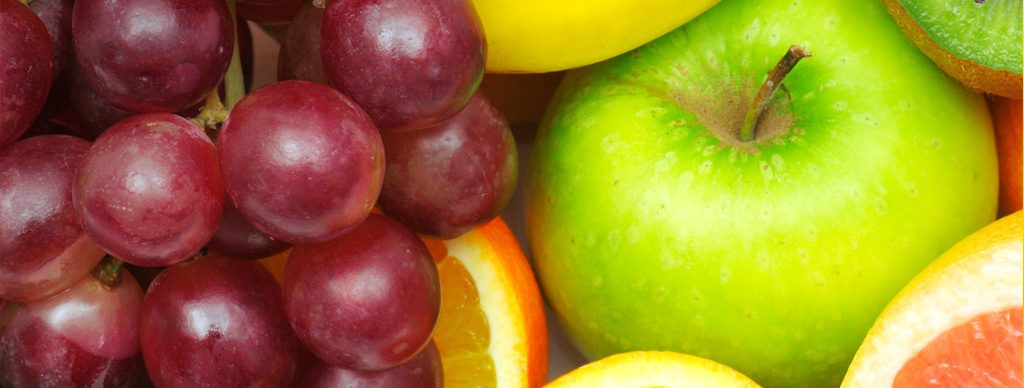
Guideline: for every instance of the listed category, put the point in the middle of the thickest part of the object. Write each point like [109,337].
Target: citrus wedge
[653,369]
[276,264]
[491,331]
[957,324]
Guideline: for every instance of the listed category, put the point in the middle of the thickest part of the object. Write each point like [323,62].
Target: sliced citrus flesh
[275,264]
[958,322]
[653,369]
[491,331]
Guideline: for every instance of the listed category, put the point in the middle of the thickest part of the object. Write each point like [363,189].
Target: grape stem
[768,88]
[234,84]
[108,271]
[25,1]
[211,115]
[320,3]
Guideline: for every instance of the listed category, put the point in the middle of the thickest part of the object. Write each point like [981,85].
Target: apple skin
[649,232]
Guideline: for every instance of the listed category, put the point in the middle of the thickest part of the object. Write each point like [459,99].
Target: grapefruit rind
[959,286]
[653,369]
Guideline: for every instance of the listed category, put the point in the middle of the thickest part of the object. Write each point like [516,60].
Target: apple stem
[768,88]
[234,84]
[108,271]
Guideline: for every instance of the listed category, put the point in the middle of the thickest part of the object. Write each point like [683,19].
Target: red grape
[150,190]
[299,57]
[422,371]
[237,238]
[56,16]
[409,63]
[43,249]
[152,55]
[94,113]
[445,180]
[301,161]
[26,70]
[217,322]
[366,300]
[87,336]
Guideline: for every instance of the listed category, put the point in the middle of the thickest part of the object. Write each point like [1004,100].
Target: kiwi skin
[974,75]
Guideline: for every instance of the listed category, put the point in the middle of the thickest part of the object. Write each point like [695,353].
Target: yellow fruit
[958,322]
[491,331]
[537,36]
[653,369]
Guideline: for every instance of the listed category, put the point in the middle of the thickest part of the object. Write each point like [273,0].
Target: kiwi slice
[978,42]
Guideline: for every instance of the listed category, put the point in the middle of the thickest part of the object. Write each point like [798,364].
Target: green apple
[654,226]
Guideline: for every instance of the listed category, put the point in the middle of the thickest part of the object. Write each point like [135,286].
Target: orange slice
[958,323]
[276,264]
[491,331]
[653,369]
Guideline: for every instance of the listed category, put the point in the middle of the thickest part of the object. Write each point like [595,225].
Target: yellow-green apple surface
[655,227]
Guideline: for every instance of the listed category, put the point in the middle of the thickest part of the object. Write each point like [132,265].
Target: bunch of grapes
[128,144]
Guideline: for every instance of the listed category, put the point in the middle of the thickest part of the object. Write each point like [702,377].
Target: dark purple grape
[152,55]
[217,322]
[269,11]
[301,161]
[56,16]
[43,249]
[87,336]
[422,371]
[409,63]
[56,118]
[299,57]
[235,237]
[94,113]
[367,300]
[444,181]
[26,69]
[150,190]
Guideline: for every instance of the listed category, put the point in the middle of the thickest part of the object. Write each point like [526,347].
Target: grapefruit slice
[653,369]
[957,324]
[491,331]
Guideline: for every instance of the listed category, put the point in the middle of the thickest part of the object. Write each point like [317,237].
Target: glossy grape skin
[301,161]
[299,57]
[26,68]
[217,322]
[43,249]
[409,63]
[367,300]
[269,11]
[152,55]
[150,190]
[237,238]
[56,16]
[94,113]
[87,336]
[422,371]
[444,181]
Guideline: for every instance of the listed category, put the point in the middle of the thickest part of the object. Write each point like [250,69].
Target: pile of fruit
[721,193]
